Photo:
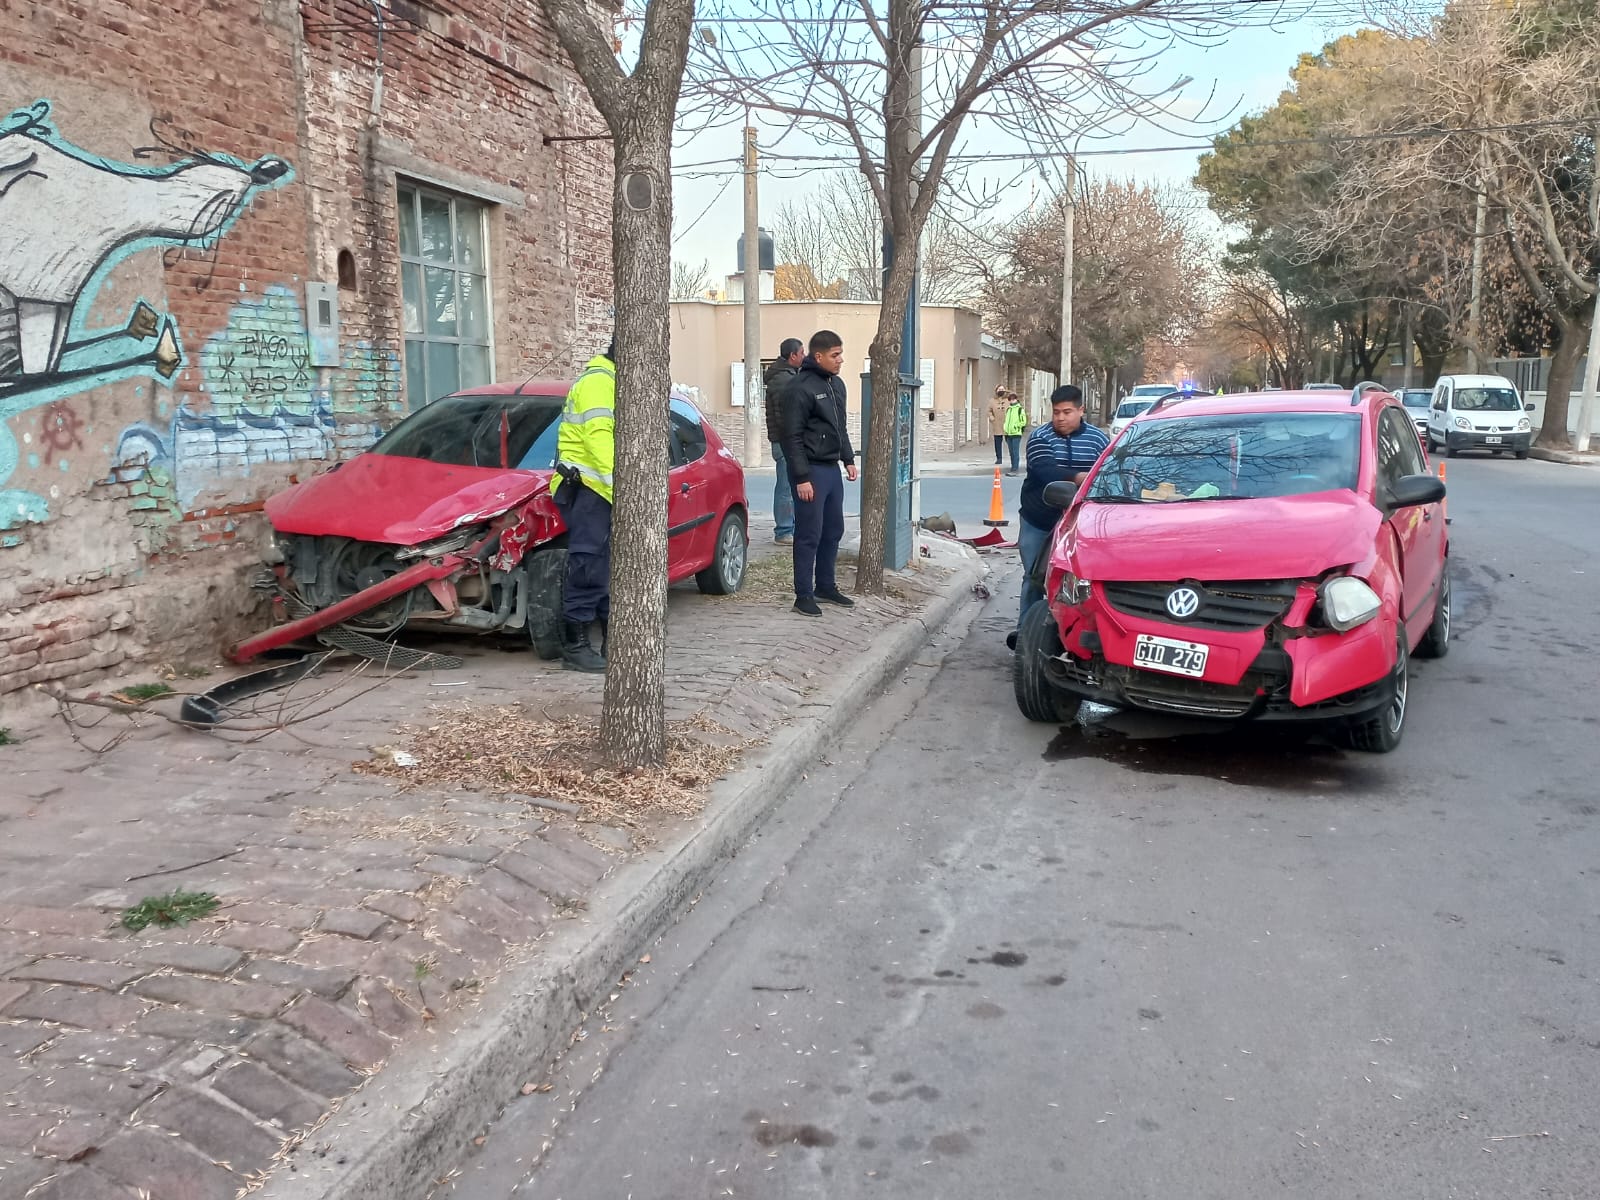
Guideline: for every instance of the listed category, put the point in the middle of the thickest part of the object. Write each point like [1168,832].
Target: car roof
[1478,380]
[524,387]
[1315,401]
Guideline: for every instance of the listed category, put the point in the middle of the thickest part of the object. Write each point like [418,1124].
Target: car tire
[1381,732]
[1436,642]
[1522,454]
[725,575]
[546,572]
[1037,697]
[1450,451]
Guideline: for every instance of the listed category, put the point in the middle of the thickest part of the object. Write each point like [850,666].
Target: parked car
[448,522]
[1417,401]
[1478,412]
[1325,387]
[1246,558]
[1137,401]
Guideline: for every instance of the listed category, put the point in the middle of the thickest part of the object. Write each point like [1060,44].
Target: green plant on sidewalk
[140,692]
[7,738]
[175,908]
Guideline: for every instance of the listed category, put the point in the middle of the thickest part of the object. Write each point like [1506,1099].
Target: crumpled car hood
[1291,537]
[401,501]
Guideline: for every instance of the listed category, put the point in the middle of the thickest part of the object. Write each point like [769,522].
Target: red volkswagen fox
[1254,557]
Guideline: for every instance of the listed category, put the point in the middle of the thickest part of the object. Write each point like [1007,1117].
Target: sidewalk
[448,936]
[1570,457]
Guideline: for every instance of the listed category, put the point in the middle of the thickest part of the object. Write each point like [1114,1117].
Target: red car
[447,522]
[1249,557]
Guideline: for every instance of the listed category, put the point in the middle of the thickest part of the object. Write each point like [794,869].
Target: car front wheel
[1037,697]
[1381,732]
[726,572]
[547,578]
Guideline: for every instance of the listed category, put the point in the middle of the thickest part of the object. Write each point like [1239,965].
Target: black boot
[605,635]
[577,654]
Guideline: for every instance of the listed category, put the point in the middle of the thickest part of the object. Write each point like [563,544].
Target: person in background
[1015,425]
[777,378]
[816,441]
[1065,449]
[997,421]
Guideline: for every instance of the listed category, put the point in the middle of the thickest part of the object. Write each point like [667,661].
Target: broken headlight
[1347,602]
[1072,590]
[458,539]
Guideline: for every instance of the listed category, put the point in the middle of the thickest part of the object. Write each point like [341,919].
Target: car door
[1419,529]
[1439,415]
[690,511]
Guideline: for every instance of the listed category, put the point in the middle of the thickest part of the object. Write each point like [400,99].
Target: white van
[1478,412]
[1137,401]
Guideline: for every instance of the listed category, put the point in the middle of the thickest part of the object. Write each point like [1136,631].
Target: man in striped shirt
[1062,450]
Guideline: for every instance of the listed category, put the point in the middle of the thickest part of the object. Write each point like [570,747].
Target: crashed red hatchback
[1246,557]
[447,522]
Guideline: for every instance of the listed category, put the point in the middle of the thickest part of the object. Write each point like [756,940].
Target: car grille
[1264,685]
[1227,607]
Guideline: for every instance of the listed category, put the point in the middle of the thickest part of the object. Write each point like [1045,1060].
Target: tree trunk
[633,722]
[880,449]
[1572,333]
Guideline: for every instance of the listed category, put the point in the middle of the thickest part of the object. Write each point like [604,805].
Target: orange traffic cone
[997,505]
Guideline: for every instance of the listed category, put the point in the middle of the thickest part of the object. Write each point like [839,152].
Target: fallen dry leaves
[508,749]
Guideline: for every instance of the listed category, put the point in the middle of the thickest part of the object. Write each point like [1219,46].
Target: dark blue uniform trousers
[818,527]
[588,591]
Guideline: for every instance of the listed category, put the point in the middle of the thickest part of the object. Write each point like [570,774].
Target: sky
[1243,75]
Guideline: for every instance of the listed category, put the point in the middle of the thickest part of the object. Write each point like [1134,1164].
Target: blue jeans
[1031,542]
[782,496]
[818,528]
[1014,444]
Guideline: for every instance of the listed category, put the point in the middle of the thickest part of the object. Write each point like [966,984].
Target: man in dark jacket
[777,378]
[816,441]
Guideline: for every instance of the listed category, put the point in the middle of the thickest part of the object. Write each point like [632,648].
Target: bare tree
[899,86]
[690,283]
[638,108]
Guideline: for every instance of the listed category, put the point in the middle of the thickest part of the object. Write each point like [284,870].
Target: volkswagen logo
[1183,602]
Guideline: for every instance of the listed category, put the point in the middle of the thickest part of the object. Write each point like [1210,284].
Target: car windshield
[1417,398]
[1480,399]
[480,431]
[1239,456]
[1154,390]
[1132,408]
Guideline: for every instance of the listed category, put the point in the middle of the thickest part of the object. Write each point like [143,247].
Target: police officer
[586,453]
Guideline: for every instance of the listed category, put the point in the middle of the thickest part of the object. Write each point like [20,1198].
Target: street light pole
[1064,374]
[754,426]
[1591,376]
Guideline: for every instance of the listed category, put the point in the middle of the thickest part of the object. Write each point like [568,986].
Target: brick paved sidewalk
[175,1063]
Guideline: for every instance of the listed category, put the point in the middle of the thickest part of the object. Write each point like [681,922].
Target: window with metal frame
[444,283]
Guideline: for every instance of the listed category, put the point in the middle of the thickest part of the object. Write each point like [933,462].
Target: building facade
[237,242]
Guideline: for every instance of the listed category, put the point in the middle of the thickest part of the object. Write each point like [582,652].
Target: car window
[1486,399]
[479,431]
[1399,453]
[1240,456]
[1132,408]
[1440,398]
[1416,399]
[689,437]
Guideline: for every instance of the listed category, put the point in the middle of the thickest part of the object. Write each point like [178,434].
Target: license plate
[1170,655]
[1493,441]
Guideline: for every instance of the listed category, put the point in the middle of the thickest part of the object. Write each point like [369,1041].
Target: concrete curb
[1570,457]
[410,1123]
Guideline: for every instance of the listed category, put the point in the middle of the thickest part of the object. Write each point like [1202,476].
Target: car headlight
[1524,425]
[458,540]
[1073,591]
[1348,602]
[1463,423]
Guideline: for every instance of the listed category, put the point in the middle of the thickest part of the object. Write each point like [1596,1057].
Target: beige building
[961,364]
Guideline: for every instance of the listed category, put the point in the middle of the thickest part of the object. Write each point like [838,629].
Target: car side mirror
[1060,493]
[1528,407]
[1412,491]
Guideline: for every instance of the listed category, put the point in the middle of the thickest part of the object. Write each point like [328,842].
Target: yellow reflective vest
[587,437]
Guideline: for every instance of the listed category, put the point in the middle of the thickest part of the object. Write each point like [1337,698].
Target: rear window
[1477,399]
[1132,408]
[1416,397]
[480,431]
[1243,456]
[1154,390]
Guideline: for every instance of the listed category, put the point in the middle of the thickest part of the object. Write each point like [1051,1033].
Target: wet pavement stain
[794,1135]
[950,1143]
[1003,958]
[985,1011]
[1251,756]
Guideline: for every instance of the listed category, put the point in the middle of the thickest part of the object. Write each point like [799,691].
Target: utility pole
[1591,376]
[1475,313]
[1069,217]
[755,431]
[1408,348]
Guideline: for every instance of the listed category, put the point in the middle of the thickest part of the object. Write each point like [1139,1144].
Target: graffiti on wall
[67,218]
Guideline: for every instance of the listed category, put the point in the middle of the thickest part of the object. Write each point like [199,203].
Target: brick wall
[175,391]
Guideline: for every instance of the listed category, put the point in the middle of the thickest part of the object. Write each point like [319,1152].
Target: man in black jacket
[816,441]
[777,378]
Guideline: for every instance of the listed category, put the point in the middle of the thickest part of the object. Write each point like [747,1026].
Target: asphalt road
[964,497]
[977,957]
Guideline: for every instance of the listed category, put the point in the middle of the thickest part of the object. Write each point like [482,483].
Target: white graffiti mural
[67,218]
